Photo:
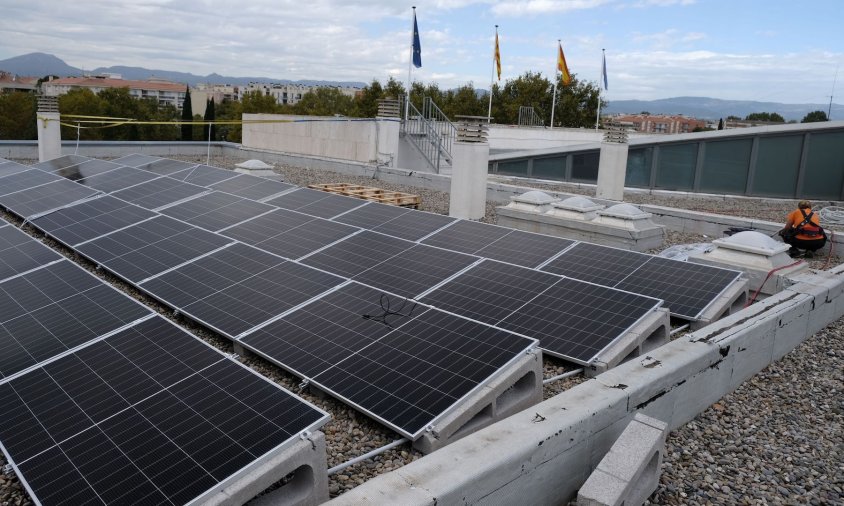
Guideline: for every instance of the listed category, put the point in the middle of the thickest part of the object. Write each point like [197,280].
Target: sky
[764,50]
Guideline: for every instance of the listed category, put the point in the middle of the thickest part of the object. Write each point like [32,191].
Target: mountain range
[42,64]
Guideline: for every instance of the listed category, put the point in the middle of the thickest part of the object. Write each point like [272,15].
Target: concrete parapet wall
[328,137]
[544,454]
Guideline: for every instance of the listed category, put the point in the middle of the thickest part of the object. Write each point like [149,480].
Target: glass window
[824,175]
[639,167]
[725,165]
[777,164]
[676,168]
[584,167]
[550,168]
[514,168]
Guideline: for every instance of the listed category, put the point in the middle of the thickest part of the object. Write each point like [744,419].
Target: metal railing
[442,124]
[423,134]
[528,117]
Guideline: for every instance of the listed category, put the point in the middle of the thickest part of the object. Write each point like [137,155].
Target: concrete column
[470,160]
[49,136]
[612,165]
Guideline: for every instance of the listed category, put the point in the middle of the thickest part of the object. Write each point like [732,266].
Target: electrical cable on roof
[385,306]
[832,214]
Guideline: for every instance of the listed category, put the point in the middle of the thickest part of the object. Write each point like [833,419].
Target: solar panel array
[228,261]
[246,256]
[106,402]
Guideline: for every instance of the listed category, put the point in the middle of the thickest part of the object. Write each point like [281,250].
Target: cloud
[662,3]
[537,7]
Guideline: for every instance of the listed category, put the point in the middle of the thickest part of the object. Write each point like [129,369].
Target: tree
[17,117]
[530,89]
[770,117]
[325,101]
[187,115]
[733,118]
[721,124]
[119,103]
[209,116]
[366,104]
[464,101]
[82,102]
[393,89]
[577,104]
[814,117]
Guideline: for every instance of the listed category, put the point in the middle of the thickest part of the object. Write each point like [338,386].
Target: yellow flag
[562,67]
[497,57]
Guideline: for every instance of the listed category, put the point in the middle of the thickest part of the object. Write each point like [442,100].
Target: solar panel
[8,168]
[490,291]
[288,233]
[165,166]
[572,319]
[85,169]
[216,210]
[251,187]
[597,264]
[467,236]
[25,180]
[577,320]
[159,192]
[148,415]
[413,225]
[687,288]
[19,252]
[524,248]
[203,175]
[406,370]
[372,215]
[412,272]
[118,179]
[135,160]
[60,162]
[316,203]
[39,199]
[150,247]
[357,253]
[90,219]
[238,288]
[56,308]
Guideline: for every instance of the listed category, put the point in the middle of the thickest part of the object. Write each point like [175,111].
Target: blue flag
[417,46]
[604,72]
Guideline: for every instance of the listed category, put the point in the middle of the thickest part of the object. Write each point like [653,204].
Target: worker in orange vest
[803,231]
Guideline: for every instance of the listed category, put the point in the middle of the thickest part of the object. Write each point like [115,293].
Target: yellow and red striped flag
[562,67]
[497,56]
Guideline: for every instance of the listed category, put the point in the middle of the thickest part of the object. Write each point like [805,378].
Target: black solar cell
[357,253]
[316,203]
[216,210]
[118,179]
[251,187]
[159,192]
[19,252]
[39,199]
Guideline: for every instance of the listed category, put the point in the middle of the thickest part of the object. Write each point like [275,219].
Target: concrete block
[732,300]
[630,471]
[794,326]
[304,467]
[514,389]
[649,333]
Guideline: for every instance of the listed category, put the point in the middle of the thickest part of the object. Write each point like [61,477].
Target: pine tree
[187,115]
[721,124]
[209,116]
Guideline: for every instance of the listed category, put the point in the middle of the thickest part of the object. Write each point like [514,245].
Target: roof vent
[575,208]
[752,242]
[534,201]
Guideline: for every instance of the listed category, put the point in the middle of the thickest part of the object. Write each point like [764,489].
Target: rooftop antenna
[834,79]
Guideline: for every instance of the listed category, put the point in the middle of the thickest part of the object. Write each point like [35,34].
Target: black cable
[388,312]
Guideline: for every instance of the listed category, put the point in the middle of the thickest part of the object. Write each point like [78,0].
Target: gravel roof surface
[777,439]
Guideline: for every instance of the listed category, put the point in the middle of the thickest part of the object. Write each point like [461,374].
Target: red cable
[831,249]
[752,299]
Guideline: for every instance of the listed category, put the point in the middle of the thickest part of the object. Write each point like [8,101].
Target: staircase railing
[443,125]
[528,117]
[421,132]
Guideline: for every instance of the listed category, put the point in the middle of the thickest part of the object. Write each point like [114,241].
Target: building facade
[661,123]
[11,82]
[164,92]
[291,94]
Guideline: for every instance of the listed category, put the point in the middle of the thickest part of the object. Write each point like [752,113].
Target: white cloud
[536,7]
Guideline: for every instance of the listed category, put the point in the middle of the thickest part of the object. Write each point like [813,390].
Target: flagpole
[492,78]
[410,66]
[554,100]
[602,79]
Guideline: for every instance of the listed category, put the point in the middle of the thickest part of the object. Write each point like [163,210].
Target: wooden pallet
[371,193]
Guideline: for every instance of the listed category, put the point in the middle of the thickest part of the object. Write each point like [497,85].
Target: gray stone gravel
[775,440]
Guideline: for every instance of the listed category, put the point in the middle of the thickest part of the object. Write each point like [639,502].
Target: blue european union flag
[417,46]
